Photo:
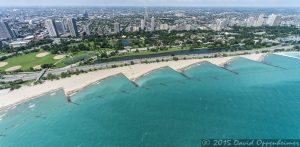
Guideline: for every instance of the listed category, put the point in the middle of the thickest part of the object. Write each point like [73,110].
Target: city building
[5,31]
[220,24]
[163,26]
[65,23]
[60,27]
[172,27]
[260,21]
[86,29]
[116,27]
[135,28]
[152,27]
[86,15]
[143,24]
[146,16]
[188,27]
[19,43]
[274,20]
[72,27]
[15,33]
[250,22]
[51,27]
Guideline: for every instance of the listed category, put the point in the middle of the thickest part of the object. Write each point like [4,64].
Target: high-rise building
[86,29]
[146,16]
[135,28]
[15,33]
[5,31]
[65,23]
[163,26]
[116,27]
[143,24]
[188,27]
[86,15]
[173,27]
[60,27]
[250,22]
[220,24]
[152,27]
[129,29]
[51,27]
[260,21]
[72,27]
[274,20]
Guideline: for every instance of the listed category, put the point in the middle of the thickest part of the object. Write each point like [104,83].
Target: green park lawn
[28,60]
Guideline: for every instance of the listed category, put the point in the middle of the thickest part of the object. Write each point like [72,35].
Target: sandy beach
[77,82]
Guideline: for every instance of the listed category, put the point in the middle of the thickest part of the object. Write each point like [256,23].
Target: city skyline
[195,3]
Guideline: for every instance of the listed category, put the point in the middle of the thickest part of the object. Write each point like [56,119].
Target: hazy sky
[262,3]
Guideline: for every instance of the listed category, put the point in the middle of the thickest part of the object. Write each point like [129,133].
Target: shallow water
[246,99]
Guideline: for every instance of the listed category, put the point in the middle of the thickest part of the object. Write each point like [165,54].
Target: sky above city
[217,3]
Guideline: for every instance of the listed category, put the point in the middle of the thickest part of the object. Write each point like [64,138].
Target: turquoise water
[294,54]
[246,99]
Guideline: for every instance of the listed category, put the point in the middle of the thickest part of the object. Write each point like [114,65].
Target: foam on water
[292,54]
[246,66]
[282,61]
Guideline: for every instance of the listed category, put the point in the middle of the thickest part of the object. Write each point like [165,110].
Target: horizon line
[171,6]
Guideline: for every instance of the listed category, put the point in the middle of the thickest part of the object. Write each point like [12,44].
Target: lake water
[246,99]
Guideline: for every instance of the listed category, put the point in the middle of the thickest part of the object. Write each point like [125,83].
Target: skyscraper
[65,23]
[116,27]
[86,29]
[60,27]
[260,21]
[86,15]
[72,27]
[274,20]
[5,31]
[143,24]
[51,27]
[152,24]
[146,16]
[221,24]
[164,27]
[250,21]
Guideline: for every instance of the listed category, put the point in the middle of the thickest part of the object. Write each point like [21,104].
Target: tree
[104,55]
[119,45]
[47,65]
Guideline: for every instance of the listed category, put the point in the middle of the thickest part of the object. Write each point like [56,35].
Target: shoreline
[147,73]
[11,106]
[282,54]
[77,83]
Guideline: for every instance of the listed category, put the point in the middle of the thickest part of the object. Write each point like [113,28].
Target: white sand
[77,82]
[57,57]
[2,64]
[37,67]
[14,68]
[42,54]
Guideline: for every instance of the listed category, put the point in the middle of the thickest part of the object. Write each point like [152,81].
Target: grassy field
[75,57]
[28,60]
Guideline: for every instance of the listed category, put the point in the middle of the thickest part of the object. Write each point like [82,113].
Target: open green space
[28,60]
